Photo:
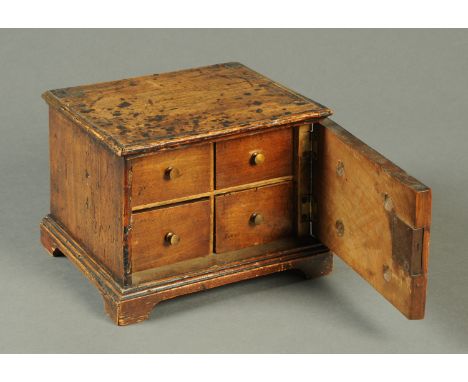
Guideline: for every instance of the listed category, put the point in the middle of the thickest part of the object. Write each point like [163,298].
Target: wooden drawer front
[235,228]
[190,222]
[191,175]
[235,164]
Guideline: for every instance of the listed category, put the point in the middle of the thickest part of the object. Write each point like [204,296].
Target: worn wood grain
[234,228]
[362,198]
[234,164]
[57,240]
[134,304]
[87,191]
[151,182]
[133,310]
[222,191]
[161,110]
[225,260]
[190,221]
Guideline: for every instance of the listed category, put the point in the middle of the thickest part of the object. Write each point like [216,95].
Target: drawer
[254,158]
[254,216]
[168,235]
[172,174]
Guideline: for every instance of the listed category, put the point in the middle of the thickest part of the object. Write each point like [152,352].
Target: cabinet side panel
[87,191]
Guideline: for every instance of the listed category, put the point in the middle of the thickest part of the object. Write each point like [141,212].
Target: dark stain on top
[124,104]
[134,114]
[157,118]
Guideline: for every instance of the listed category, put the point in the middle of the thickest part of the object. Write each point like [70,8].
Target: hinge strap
[312,157]
[407,243]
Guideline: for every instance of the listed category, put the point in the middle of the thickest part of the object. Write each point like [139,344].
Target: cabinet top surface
[165,110]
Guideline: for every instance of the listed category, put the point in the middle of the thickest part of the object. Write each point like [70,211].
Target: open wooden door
[373,215]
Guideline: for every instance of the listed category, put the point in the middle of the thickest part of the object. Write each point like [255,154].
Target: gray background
[405,93]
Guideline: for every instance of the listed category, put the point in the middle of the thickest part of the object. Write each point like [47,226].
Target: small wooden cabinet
[174,183]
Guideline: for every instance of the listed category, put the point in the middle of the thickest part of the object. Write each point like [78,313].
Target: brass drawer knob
[171,173]
[171,238]
[256,218]
[257,158]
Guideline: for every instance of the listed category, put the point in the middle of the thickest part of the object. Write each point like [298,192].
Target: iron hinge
[313,144]
[313,156]
[407,246]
